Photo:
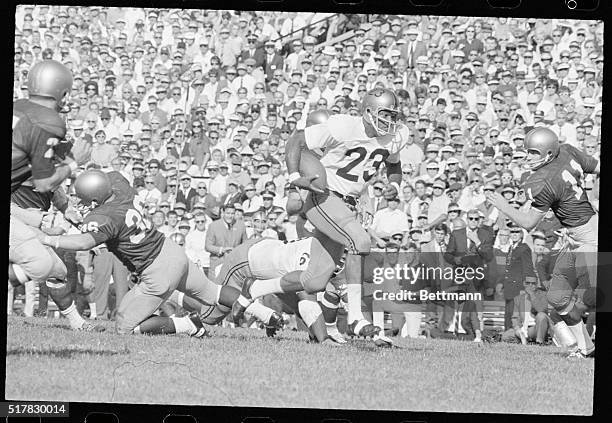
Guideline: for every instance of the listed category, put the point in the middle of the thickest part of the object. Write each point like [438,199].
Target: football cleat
[201,331]
[362,328]
[274,324]
[243,301]
[90,327]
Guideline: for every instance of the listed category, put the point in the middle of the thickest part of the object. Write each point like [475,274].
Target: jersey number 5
[374,161]
[133,217]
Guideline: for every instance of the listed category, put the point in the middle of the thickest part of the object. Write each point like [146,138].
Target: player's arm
[394,168]
[527,219]
[77,242]
[316,136]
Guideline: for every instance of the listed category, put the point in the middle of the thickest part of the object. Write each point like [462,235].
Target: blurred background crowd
[195,107]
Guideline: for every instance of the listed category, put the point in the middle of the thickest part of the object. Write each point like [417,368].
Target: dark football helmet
[381,108]
[50,78]
[316,117]
[543,142]
[93,188]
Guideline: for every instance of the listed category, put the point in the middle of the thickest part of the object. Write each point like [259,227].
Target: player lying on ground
[269,266]
[555,183]
[113,215]
[41,161]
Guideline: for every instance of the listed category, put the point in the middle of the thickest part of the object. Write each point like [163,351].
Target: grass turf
[241,367]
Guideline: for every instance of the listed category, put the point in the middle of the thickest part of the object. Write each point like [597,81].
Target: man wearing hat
[389,220]
[186,193]
[253,52]
[413,48]
[238,175]
[272,60]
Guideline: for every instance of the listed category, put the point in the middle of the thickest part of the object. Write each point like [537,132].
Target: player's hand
[495,198]
[381,244]
[81,152]
[72,215]
[305,182]
[47,220]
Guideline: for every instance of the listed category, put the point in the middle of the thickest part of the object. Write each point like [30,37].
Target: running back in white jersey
[271,258]
[351,157]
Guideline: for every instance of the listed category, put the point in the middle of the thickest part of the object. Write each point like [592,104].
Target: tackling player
[113,215]
[353,150]
[269,266]
[555,183]
[41,161]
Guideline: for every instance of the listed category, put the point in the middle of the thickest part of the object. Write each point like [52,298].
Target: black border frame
[81,412]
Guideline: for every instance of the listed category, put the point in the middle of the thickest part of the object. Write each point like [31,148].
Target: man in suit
[223,236]
[254,52]
[233,195]
[412,49]
[518,270]
[272,60]
[471,246]
[185,193]
[530,317]
[432,256]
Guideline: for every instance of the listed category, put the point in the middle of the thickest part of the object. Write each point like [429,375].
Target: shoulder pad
[346,128]
[48,120]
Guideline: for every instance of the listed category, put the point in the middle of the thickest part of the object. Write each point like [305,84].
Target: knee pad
[309,311]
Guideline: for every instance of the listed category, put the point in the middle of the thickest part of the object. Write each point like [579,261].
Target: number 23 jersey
[121,225]
[558,186]
[351,157]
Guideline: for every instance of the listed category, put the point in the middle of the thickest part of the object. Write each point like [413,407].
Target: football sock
[329,306]
[92,311]
[259,288]
[184,325]
[10,298]
[30,297]
[309,311]
[378,318]
[260,312]
[73,316]
[353,293]
[585,344]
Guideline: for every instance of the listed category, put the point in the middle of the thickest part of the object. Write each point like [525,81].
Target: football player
[555,183]
[353,150]
[41,160]
[268,266]
[113,215]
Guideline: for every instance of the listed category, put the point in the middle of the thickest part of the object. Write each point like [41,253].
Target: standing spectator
[518,269]
[195,243]
[223,236]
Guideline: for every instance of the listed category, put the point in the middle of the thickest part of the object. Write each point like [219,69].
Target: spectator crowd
[195,107]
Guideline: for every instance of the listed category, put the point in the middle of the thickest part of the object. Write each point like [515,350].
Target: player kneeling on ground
[113,215]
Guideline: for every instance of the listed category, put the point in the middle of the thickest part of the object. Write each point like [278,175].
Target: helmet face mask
[542,147]
[381,111]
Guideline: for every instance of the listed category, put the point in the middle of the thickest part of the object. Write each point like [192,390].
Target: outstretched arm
[77,242]
[527,219]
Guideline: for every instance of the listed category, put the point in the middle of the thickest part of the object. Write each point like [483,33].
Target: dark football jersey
[37,130]
[558,186]
[123,226]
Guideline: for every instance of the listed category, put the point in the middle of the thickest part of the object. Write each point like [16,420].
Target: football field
[241,367]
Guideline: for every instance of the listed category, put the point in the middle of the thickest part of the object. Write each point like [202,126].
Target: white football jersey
[351,156]
[271,258]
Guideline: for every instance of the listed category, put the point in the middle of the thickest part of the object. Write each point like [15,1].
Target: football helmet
[316,117]
[50,78]
[92,188]
[381,108]
[545,143]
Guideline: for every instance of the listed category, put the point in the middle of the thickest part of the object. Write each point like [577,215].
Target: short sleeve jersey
[351,157]
[559,186]
[124,227]
[36,131]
